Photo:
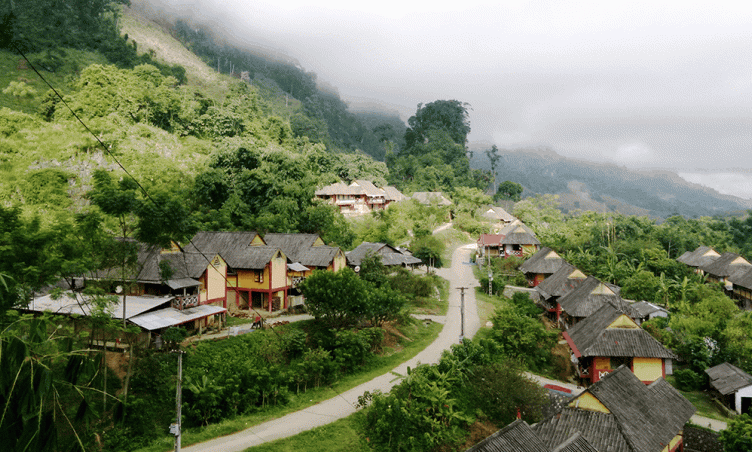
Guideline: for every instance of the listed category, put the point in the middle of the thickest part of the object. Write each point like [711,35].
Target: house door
[747,405]
[258,299]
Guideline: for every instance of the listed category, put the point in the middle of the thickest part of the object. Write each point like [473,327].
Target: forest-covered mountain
[604,187]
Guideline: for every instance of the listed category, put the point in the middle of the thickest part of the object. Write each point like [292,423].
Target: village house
[497,216]
[151,313]
[515,239]
[733,385]
[245,273]
[390,256]
[741,288]
[563,281]
[609,338]
[728,264]
[541,265]
[519,437]
[703,255]
[642,311]
[621,414]
[587,298]
[307,252]
[359,198]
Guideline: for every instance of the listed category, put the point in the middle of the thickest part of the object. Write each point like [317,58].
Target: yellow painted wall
[247,279]
[587,401]
[673,443]
[624,322]
[318,242]
[279,270]
[648,369]
[602,363]
[258,241]
[215,283]
[340,261]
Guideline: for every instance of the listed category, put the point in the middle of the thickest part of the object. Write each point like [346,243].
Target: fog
[640,84]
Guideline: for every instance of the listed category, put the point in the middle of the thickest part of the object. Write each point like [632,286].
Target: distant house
[542,264]
[643,311]
[621,414]
[359,198]
[587,298]
[431,197]
[389,255]
[609,338]
[497,216]
[734,386]
[741,287]
[703,255]
[515,239]
[727,265]
[489,245]
[519,437]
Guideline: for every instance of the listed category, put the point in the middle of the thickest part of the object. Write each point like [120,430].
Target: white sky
[638,83]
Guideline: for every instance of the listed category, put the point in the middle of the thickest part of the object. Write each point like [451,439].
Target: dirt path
[459,275]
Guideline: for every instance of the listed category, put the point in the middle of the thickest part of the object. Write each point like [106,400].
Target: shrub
[688,380]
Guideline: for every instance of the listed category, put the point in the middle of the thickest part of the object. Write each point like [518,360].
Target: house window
[259,276]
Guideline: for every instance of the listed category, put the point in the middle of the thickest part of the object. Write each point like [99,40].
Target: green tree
[523,337]
[509,190]
[737,437]
[493,158]
[449,115]
[338,299]
[429,249]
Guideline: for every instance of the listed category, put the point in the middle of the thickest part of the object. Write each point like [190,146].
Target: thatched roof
[546,261]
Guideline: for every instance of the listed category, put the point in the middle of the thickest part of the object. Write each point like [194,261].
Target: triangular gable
[552,255]
[576,274]
[587,401]
[173,248]
[624,322]
[711,252]
[257,241]
[602,289]
[318,242]
[740,261]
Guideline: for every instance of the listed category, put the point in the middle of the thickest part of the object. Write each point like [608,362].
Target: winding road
[459,275]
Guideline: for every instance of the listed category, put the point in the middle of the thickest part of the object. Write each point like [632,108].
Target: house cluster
[513,239]
[601,328]
[218,273]
[730,269]
[618,413]
[359,198]
[362,197]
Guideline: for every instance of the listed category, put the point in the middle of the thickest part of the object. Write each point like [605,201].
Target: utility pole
[462,313]
[176,428]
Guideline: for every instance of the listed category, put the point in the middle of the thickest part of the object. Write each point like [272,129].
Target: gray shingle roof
[722,266]
[695,258]
[600,429]
[318,256]
[641,419]
[742,278]
[392,194]
[497,213]
[642,309]
[559,284]
[249,258]
[582,302]
[293,245]
[389,255]
[520,237]
[727,378]
[545,261]
[515,437]
[591,337]
[218,242]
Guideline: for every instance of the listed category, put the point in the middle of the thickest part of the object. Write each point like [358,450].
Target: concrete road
[459,275]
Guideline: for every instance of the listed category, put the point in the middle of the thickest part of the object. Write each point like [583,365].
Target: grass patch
[235,321]
[702,401]
[420,336]
[341,435]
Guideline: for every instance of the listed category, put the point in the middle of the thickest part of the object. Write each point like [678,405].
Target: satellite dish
[119,289]
[357,268]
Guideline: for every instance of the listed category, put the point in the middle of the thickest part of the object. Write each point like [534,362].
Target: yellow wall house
[245,273]
[608,339]
[636,417]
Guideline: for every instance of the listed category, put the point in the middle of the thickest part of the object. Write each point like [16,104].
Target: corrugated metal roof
[168,317]
[297,267]
[70,303]
[727,378]
[182,283]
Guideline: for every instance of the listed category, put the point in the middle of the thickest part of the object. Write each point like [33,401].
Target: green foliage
[429,249]
[509,190]
[688,379]
[19,89]
[737,437]
[523,337]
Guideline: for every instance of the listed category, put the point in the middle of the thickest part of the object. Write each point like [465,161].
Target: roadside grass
[702,401]
[420,334]
[341,435]
[433,305]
